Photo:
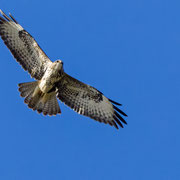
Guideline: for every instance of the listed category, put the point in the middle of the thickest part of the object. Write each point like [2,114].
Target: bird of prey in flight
[52,82]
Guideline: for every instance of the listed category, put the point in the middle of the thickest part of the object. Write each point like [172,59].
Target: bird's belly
[45,85]
[49,79]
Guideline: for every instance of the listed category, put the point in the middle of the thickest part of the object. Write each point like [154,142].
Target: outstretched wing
[23,47]
[88,101]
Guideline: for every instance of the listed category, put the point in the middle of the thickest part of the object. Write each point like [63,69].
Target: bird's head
[58,64]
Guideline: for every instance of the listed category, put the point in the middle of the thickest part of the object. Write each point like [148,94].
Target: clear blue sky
[129,50]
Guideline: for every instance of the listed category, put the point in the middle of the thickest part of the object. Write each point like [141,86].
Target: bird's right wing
[23,47]
[88,101]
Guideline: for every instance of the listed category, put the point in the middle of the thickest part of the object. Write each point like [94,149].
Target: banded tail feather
[37,100]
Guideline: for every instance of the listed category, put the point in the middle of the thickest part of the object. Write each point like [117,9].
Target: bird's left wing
[23,47]
[88,101]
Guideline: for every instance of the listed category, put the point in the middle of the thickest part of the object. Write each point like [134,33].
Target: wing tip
[13,18]
[121,112]
[1,18]
[7,18]
[118,121]
[1,11]
[114,102]
[115,125]
[118,118]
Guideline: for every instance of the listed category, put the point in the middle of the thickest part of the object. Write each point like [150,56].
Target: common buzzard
[52,81]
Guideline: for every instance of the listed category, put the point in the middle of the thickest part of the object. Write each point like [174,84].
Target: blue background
[129,50]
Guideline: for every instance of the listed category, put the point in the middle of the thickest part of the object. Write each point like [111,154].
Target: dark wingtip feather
[5,15]
[115,125]
[110,123]
[118,116]
[115,102]
[117,109]
[1,20]
[117,120]
[13,18]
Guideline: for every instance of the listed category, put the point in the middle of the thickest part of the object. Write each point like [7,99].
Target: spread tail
[37,100]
